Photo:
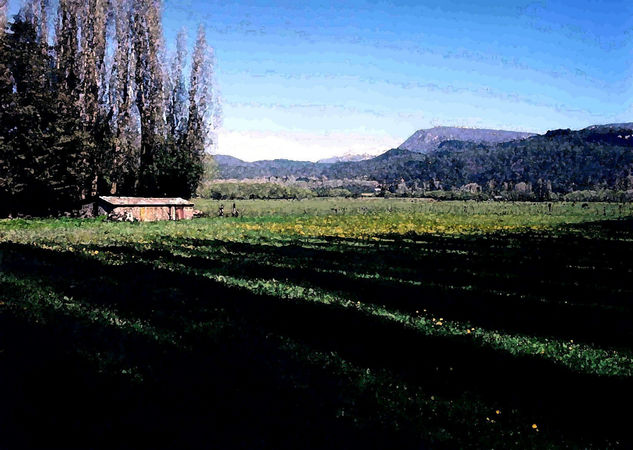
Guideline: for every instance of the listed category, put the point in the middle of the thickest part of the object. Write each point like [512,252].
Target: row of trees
[90,105]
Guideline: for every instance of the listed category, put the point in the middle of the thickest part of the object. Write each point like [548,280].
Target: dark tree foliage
[73,125]
[41,150]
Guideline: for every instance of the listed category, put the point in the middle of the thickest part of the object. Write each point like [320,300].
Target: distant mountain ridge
[596,157]
[422,141]
[428,140]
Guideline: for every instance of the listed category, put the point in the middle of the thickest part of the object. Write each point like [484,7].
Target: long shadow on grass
[480,298]
[563,268]
[580,404]
[236,389]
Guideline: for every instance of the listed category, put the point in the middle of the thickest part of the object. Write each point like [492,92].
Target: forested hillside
[597,157]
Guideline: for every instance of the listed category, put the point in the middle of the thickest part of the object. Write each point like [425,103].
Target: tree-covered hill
[599,156]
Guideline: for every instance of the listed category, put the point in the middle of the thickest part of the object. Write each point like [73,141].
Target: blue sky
[311,79]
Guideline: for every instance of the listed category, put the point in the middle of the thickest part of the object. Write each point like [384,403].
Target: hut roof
[145,201]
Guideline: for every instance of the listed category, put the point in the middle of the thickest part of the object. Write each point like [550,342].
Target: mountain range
[422,141]
[425,141]
[599,155]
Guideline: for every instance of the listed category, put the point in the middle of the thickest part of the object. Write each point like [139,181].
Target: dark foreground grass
[186,336]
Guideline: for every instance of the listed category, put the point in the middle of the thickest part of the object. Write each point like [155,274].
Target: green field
[333,323]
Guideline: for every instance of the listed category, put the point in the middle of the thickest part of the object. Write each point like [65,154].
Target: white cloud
[302,145]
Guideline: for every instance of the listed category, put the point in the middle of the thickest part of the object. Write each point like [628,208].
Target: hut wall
[182,212]
[145,213]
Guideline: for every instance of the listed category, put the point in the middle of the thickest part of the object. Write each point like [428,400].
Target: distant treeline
[288,189]
[89,106]
[596,159]
[602,195]
[232,190]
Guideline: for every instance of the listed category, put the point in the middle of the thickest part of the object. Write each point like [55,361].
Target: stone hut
[144,209]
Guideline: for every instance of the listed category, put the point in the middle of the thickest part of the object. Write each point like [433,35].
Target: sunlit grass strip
[217,256]
[25,296]
[178,250]
[401,403]
[579,357]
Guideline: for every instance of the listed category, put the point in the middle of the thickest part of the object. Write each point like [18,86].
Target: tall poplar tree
[67,86]
[126,137]
[6,108]
[176,114]
[35,180]
[172,165]
[147,38]
[93,88]
[204,113]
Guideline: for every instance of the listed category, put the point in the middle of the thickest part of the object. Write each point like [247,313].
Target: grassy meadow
[332,323]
